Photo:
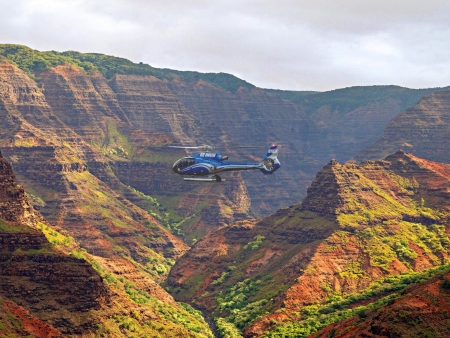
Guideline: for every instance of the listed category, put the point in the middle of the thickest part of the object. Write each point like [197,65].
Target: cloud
[300,45]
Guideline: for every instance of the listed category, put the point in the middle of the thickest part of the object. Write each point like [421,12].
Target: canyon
[87,135]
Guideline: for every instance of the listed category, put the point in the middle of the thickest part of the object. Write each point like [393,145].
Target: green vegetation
[54,237]
[33,62]
[383,247]
[170,316]
[258,240]
[167,217]
[221,80]
[290,94]
[240,310]
[185,316]
[6,227]
[226,329]
[315,317]
[221,279]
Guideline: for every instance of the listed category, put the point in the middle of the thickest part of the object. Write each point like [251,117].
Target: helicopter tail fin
[270,162]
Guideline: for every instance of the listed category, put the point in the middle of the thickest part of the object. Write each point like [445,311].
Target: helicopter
[204,166]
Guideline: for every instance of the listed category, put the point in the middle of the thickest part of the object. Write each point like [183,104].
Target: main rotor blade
[239,147]
[186,147]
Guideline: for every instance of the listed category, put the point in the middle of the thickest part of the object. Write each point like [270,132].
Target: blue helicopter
[204,167]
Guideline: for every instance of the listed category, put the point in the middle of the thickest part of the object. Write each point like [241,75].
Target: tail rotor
[270,162]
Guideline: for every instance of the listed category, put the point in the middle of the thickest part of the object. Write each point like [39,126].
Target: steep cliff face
[423,130]
[349,119]
[14,207]
[356,225]
[48,283]
[255,117]
[119,120]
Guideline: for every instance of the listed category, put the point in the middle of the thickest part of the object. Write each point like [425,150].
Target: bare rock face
[357,224]
[48,283]
[423,130]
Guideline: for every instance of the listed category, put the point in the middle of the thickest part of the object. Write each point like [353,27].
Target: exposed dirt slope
[17,322]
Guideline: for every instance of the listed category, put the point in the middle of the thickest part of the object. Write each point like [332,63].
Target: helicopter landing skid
[209,178]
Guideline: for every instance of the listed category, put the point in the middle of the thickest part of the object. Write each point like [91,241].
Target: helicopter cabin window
[186,162]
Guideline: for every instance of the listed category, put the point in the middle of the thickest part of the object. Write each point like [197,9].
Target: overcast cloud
[284,44]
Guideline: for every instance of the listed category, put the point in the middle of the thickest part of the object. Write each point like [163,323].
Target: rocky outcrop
[423,130]
[357,224]
[14,206]
[33,274]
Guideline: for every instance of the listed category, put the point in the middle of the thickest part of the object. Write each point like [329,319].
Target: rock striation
[34,275]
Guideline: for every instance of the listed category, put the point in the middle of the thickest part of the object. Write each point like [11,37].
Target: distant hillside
[345,100]
[290,95]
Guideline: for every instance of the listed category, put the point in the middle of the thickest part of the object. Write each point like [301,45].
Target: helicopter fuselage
[210,164]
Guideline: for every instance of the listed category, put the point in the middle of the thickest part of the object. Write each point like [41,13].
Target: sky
[283,44]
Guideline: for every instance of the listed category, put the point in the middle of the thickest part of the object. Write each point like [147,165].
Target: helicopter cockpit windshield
[184,162]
